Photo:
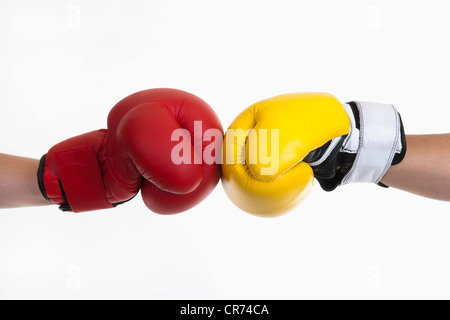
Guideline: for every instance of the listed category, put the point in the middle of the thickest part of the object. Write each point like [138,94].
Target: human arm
[425,170]
[18,182]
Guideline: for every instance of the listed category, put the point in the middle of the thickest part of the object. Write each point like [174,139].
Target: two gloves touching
[170,145]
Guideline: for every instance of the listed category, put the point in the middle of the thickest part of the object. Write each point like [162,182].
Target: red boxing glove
[146,138]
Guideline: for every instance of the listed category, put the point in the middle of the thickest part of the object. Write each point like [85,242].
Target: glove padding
[104,168]
[262,171]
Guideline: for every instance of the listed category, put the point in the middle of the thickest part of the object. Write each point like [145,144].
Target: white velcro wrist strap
[379,139]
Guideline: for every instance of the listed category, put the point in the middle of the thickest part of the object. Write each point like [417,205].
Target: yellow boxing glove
[274,149]
[263,149]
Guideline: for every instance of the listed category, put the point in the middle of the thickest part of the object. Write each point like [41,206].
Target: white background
[64,64]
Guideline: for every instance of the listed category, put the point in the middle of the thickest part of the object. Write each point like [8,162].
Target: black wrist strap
[40,177]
